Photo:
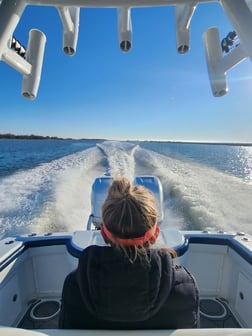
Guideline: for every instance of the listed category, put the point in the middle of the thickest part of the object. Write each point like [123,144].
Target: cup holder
[212,308]
[45,309]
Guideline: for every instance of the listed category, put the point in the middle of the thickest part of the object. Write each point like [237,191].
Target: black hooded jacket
[107,291]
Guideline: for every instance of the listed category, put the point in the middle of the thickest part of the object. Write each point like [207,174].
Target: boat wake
[198,197]
[55,196]
[120,157]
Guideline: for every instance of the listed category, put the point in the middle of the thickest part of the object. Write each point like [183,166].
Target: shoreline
[9,136]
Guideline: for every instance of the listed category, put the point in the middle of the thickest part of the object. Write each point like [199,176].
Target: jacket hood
[115,289]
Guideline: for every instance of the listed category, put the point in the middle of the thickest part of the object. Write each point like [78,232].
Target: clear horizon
[125,140]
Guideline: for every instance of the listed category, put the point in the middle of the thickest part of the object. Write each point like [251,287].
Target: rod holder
[216,72]
[70,17]
[183,16]
[34,56]
[124,28]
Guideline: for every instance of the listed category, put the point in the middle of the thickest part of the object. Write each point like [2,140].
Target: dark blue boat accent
[11,257]
[182,249]
[194,238]
[72,250]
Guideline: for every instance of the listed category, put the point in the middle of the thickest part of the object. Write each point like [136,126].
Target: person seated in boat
[129,284]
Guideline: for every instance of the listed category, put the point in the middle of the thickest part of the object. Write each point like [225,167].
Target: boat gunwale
[33,241]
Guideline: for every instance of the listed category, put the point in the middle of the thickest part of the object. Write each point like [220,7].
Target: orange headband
[109,237]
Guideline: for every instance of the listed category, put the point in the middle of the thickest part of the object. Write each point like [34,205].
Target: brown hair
[129,212]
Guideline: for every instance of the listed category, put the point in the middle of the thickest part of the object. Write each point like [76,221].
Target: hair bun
[120,188]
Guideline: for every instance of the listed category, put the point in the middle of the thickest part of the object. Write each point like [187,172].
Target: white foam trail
[56,196]
[205,197]
[72,190]
[120,157]
[45,198]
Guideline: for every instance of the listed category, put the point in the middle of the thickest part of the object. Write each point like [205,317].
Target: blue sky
[151,92]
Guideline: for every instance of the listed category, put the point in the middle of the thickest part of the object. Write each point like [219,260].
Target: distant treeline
[32,136]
